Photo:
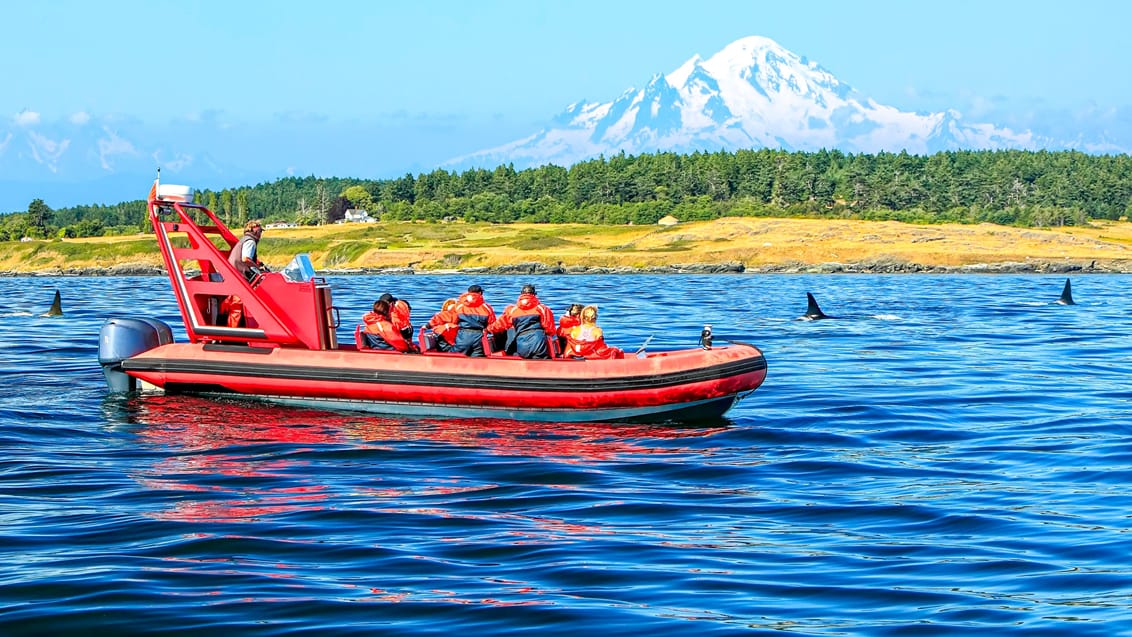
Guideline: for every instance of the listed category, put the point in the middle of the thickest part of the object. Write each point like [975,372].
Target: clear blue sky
[523,61]
[374,89]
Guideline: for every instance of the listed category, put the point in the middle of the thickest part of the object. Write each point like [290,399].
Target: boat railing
[277,311]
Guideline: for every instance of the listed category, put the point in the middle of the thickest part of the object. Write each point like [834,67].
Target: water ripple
[948,457]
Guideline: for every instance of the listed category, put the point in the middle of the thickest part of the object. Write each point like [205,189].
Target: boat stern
[121,338]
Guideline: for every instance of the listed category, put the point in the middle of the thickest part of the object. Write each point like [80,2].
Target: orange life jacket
[567,323]
[399,315]
[527,313]
[587,341]
[532,322]
[388,336]
[470,316]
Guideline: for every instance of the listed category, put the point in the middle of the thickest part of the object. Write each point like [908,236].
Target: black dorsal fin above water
[813,312]
[1066,295]
[56,306]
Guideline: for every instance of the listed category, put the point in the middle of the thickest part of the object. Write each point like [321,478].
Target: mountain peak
[752,93]
[680,75]
[751,46]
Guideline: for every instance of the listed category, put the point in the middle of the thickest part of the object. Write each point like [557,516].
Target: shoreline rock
[534,268]
[114,270]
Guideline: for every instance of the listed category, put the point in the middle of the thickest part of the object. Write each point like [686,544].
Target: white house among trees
[354,215]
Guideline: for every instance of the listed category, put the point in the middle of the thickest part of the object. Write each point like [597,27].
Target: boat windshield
[299,269]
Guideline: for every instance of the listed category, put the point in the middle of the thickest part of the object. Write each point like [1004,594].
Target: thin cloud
[178,163]
[26,118]
[47,151]
[80,118]
[113,145]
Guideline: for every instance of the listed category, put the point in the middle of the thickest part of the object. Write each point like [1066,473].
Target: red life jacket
[388,336]
[531,322]
[446,331]
[233,307]
[470,316]
[399,315]
[567,323]
[527,313]
[587,341]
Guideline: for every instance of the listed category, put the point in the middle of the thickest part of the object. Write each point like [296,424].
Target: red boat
[288,351]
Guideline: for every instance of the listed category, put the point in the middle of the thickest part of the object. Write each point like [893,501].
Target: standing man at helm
[243,257]
[243,254]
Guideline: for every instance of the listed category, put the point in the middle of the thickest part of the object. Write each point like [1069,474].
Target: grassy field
[753,242]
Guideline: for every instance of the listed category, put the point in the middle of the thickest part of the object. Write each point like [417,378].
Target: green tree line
[1022,188]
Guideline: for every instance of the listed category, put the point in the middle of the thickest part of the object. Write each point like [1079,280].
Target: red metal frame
[278,312]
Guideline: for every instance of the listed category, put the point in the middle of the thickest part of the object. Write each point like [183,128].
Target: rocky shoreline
[535,268]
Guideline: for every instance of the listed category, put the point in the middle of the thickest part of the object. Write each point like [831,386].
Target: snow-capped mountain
[88,159]
[752,94]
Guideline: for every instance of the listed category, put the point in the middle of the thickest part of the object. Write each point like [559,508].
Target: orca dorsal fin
[56,306]
[813,312]
[1066,295]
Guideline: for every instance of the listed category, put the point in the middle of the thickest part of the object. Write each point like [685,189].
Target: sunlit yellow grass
[750,241]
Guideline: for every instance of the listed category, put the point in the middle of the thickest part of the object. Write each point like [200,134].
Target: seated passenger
[446,332]
[532,321]
[399,313]
[571,319]
[380,332]
[586,340]
[470,316]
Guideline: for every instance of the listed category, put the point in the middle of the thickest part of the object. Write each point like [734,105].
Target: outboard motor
[121,338]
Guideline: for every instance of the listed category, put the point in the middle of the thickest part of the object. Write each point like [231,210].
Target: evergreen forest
[1020,188]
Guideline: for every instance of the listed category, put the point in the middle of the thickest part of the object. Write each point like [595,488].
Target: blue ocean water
[951,455]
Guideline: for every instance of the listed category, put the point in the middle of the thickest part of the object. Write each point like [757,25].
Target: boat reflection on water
[193,423]
[230,461]
[225,461]
[565,442]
